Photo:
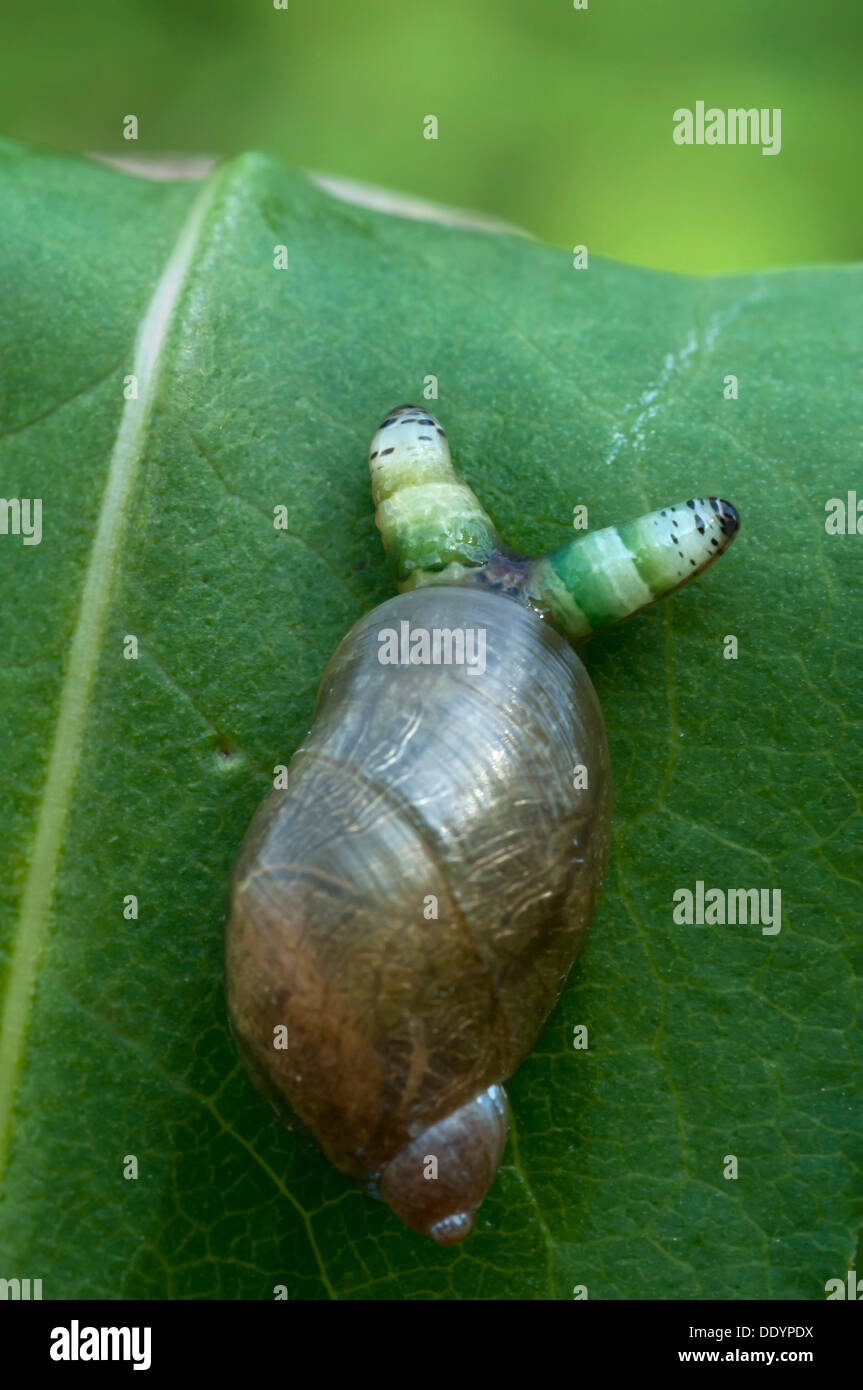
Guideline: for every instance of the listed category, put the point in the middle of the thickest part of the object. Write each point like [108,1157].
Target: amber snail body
[406,912]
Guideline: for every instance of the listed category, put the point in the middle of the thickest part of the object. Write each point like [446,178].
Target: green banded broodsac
[410,906]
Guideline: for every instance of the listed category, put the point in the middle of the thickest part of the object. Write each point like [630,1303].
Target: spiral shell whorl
[465,1149]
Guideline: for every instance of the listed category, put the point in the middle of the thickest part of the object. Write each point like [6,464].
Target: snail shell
[421,781]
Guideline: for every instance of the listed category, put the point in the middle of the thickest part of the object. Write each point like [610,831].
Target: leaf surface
[259,388]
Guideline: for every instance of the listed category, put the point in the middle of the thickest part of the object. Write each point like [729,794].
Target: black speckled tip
[418,413]
[397,410]
[729,517]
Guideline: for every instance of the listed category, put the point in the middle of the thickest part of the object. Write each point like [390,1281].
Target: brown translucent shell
[410,907]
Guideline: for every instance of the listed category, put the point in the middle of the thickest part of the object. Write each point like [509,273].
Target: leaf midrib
[31,927]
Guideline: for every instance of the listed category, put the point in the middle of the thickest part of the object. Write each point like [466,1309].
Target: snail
[404,914]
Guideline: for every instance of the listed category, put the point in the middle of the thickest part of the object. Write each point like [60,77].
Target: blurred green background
[557,119]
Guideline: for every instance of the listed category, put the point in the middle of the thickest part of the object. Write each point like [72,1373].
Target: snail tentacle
[605,576]
[432,525]
[434,531]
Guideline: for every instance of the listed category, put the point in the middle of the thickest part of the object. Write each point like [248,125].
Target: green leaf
[259,387]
